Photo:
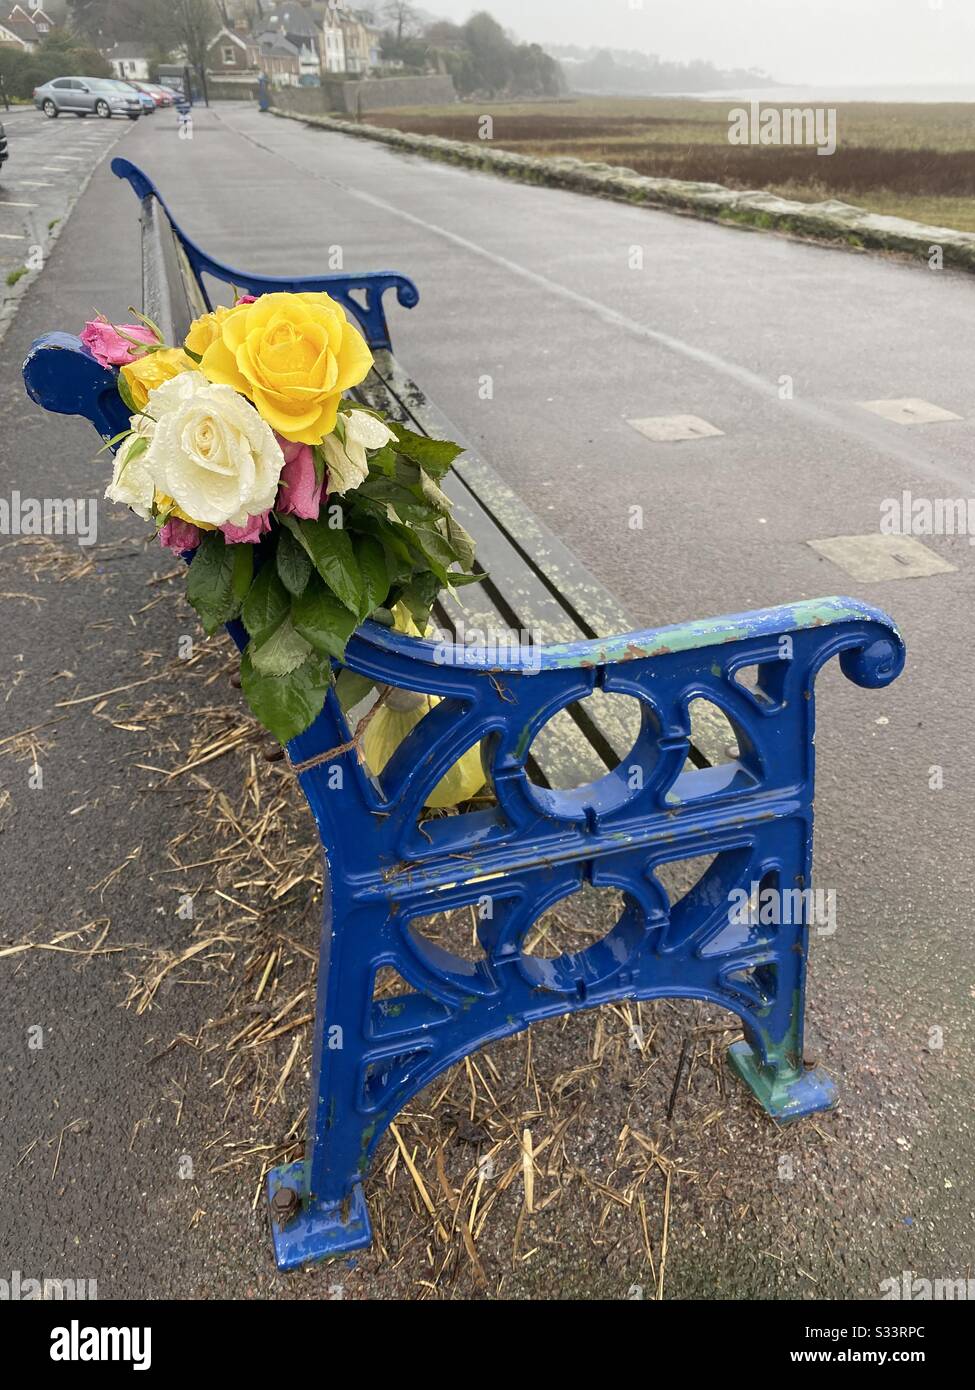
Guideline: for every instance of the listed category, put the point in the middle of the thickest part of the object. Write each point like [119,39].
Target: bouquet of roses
[305,514]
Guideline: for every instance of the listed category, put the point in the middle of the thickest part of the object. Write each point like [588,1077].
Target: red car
[160,95]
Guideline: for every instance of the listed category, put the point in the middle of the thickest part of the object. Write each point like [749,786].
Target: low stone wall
[839,224]
[364,94]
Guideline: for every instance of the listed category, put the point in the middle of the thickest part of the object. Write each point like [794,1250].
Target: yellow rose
[166,504]
[293,355]
[205,330]
[152,370]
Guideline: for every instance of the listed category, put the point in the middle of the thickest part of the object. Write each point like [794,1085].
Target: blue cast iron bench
[651,793]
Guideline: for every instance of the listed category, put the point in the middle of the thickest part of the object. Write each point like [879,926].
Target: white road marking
[5,203]
[31,183]
[819,415]
[12,236]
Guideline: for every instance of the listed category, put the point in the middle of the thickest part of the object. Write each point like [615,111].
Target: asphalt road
[50,164]
[542,292]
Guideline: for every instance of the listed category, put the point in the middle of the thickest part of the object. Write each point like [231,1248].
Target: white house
[333,42]
[41,20]
[128,61]
[8,39]
[53,12]
[21,25]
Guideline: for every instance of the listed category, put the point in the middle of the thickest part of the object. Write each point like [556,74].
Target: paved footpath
[582,316]
[50,164]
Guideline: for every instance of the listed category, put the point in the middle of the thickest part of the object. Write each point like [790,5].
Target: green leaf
[266,604]
[322,620]
[423,562]
[384,460]
[406,505]
[438,550]
[125,391]
[433,494]
[419,598]
[462,542]
[293,562]
[456,580]
[433,455]
[136,450]
[116,439]
[279,652]
[219,579]
[332,555]
[399,561]
[375,577]
[286,705]
[351,688]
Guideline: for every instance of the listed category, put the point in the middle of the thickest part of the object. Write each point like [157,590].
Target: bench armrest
[873,650]
[61,375]
[360,294]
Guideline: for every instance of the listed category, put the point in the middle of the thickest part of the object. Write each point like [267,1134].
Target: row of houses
[292,43]
[297,44]
[25,27]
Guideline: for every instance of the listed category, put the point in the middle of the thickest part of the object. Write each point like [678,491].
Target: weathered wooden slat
[495,514]
[514,598]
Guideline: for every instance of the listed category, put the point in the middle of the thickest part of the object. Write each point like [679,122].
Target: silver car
[87,96]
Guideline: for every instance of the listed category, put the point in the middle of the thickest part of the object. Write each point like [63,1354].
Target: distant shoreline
[921,93]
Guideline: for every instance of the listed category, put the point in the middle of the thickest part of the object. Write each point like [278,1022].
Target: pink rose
[300,493]
[105,342]
[250,533]
[178,535]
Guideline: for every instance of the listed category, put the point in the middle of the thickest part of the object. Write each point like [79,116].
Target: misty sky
[798,41]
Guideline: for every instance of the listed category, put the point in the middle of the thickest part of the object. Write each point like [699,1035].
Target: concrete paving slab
[910,410]
[672,429]
[873,559]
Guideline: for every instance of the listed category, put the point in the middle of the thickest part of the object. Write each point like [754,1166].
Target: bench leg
[784,1091]
[316,1205]
[770,1060]
[306,1231]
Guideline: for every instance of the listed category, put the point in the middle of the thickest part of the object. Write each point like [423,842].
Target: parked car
[3,146]
[146,102]
[167,97]
[160,96]
[87,96]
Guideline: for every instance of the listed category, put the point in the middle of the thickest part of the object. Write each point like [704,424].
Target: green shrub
[22,72]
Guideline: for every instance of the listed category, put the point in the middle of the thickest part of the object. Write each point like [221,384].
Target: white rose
[131,481]
[348,465]
[210,451]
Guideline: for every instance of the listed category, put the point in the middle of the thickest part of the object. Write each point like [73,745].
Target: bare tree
[403,16]
[182,24]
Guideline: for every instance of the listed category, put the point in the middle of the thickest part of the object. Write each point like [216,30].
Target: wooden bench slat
[529,557]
